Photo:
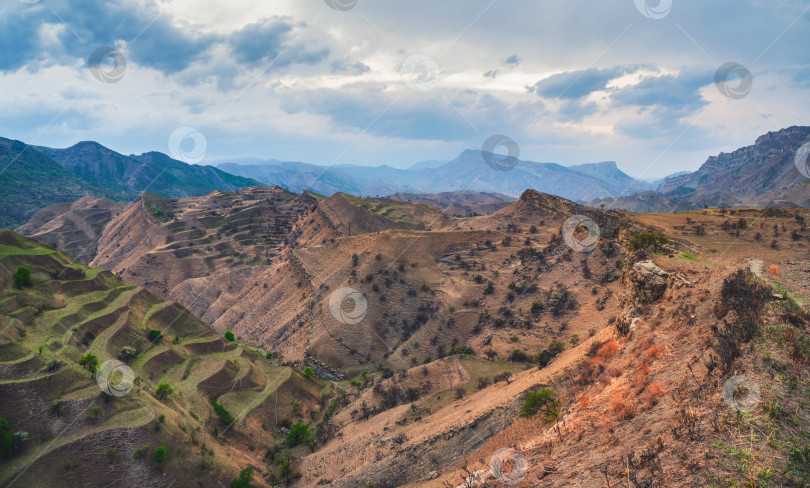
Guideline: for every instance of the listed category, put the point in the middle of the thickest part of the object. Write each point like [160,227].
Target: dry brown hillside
[545,344]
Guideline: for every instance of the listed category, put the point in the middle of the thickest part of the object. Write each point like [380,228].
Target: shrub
[140,452]
[299,433]
[505,376]
[127,353]
[155,335]
[229,336]
[461,350]
[22,277]
[90,362]
[556,347]
[10,441]
[746,296]
[163,391]
[223,413]
[646,240]
[160,454]
[621,406]
[607,350]
[519,356]
[309,372]
[544,402]
[243,480]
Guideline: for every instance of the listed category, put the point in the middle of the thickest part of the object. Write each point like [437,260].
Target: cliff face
[644,283]
[760,175]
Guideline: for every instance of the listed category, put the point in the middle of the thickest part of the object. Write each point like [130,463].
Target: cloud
[577,84]
[272,41]
[346,67]
[681,90]
[513,60]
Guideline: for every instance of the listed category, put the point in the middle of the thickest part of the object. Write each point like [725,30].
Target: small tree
[90,362]
[647,240]
[298,433]
[160,454]
[163,391]
[229,336]
[155,335]
[22,277]
[243,481]
[309,372]
[544,401]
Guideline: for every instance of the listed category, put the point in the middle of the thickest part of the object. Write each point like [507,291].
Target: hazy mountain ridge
[467,172]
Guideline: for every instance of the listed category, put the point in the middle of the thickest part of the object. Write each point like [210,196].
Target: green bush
[6,438]
[243,480]
[461,350]
[229,336]
[556,347]
[537,307]
[224,415]
[160,454]
[544,402]
[155,335]
[309,372]
[646,240]
[163,391]
[90,362]
[519,356]
[22,277]
[299,433]
[140,452]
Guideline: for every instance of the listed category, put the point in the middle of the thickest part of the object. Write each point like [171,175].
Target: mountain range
[468,172]
[763,174]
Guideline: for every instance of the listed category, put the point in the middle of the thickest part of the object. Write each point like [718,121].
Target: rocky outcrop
[644,283]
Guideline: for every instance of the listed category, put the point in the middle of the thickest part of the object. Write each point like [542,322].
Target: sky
[657,86]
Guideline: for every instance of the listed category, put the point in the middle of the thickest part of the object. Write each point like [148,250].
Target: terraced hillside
[73,227]
[78,436]
[161,242]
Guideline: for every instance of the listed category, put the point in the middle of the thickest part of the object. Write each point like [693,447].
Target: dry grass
[607,350]
[653,353]
[654,393]
[621,406]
